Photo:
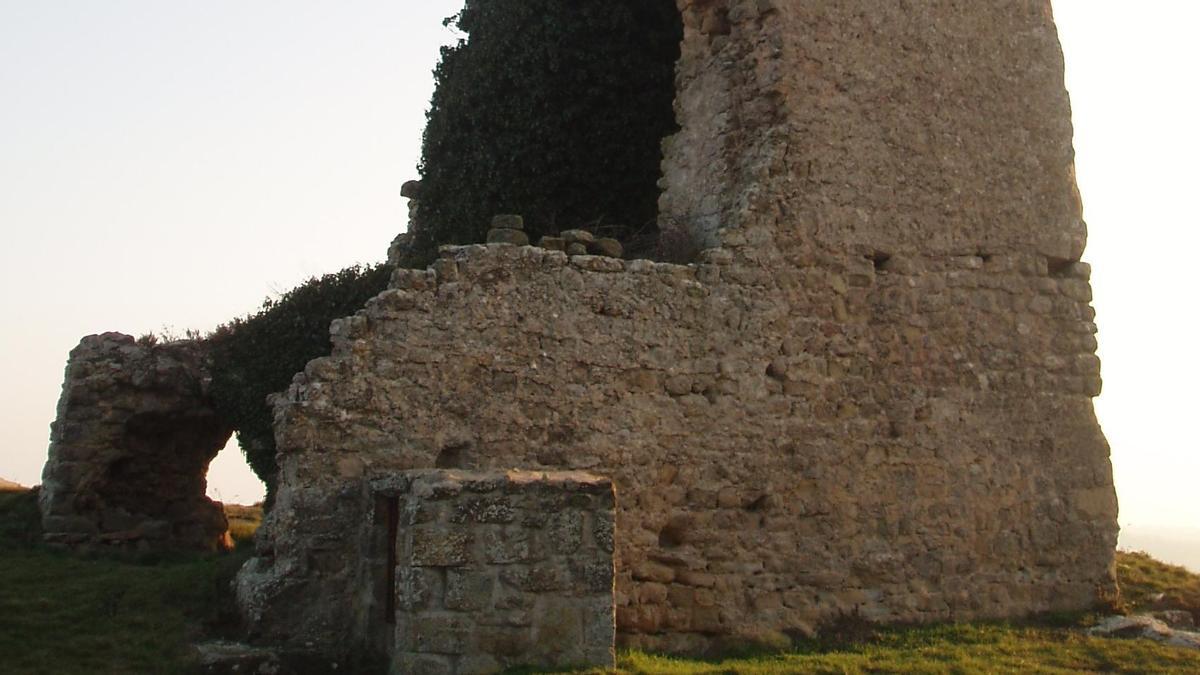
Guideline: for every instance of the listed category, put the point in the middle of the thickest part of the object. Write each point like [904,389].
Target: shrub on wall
[554,110]
[258,355]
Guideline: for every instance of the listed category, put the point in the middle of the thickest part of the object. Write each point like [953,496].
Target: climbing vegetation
[258,355]
[554,110]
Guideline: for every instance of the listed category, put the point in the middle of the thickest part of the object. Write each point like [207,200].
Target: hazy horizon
[174,164]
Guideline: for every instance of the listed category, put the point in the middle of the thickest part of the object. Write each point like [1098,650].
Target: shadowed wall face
[872,394]
[497,570]
[130,448]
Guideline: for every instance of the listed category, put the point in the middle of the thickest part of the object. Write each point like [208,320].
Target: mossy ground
[62,614]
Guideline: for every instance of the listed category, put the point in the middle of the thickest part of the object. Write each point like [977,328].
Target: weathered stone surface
[411,189]
[130,448]
[1146,627]
[492,614]
[1178,619]
[553,243]
[577,237]
[873,395]
[508,222]
[507,236]
[577,248]
[607,246]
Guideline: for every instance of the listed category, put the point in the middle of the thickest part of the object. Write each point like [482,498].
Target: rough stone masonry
[130,448]
[872,395]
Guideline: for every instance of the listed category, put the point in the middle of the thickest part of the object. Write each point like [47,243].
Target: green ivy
[552,109]
[258,355]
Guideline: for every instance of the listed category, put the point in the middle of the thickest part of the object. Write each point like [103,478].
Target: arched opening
[153,490]
[231,480]
[234,485]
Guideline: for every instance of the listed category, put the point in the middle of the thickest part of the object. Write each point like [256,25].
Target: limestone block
[508,222]
[607,246]
[507,236]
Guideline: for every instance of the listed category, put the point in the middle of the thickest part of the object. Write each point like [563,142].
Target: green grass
[243,522]
[1147,584]
[62,614]
[65,614]
[990,648]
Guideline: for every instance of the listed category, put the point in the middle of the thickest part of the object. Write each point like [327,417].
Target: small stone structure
[508,229]
[130,448]
[494,570]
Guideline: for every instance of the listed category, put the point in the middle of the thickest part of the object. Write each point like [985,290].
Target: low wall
[496,570]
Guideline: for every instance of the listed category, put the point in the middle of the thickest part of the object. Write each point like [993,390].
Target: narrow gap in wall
[880,260]
[231,480]
[392,507]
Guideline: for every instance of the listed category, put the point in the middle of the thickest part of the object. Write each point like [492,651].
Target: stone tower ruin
[871,395]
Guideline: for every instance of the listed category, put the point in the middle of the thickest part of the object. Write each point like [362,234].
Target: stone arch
[130,449]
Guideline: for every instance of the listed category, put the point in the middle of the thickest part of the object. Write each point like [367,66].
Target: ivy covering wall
[553,109]
[258,355]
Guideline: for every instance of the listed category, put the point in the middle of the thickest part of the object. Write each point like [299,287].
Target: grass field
[66,614]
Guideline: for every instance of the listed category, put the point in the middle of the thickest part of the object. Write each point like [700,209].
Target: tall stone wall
[872,394]
[129,450]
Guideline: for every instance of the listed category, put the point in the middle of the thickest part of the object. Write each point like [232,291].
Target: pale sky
[174,163]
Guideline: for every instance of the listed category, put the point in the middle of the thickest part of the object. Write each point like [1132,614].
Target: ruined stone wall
[129,450]
[495,570]
[874,396]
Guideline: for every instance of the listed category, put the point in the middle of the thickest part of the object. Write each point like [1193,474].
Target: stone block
[607,247]
[504,642]
[553,243]
[417,588]
[484,510]
[430,633]
[440,546]
[505,545]
[577,237]
[558,630]
[506,236]
[564,531]
[508,222]
[469,589]
[411,189]
[545,577]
